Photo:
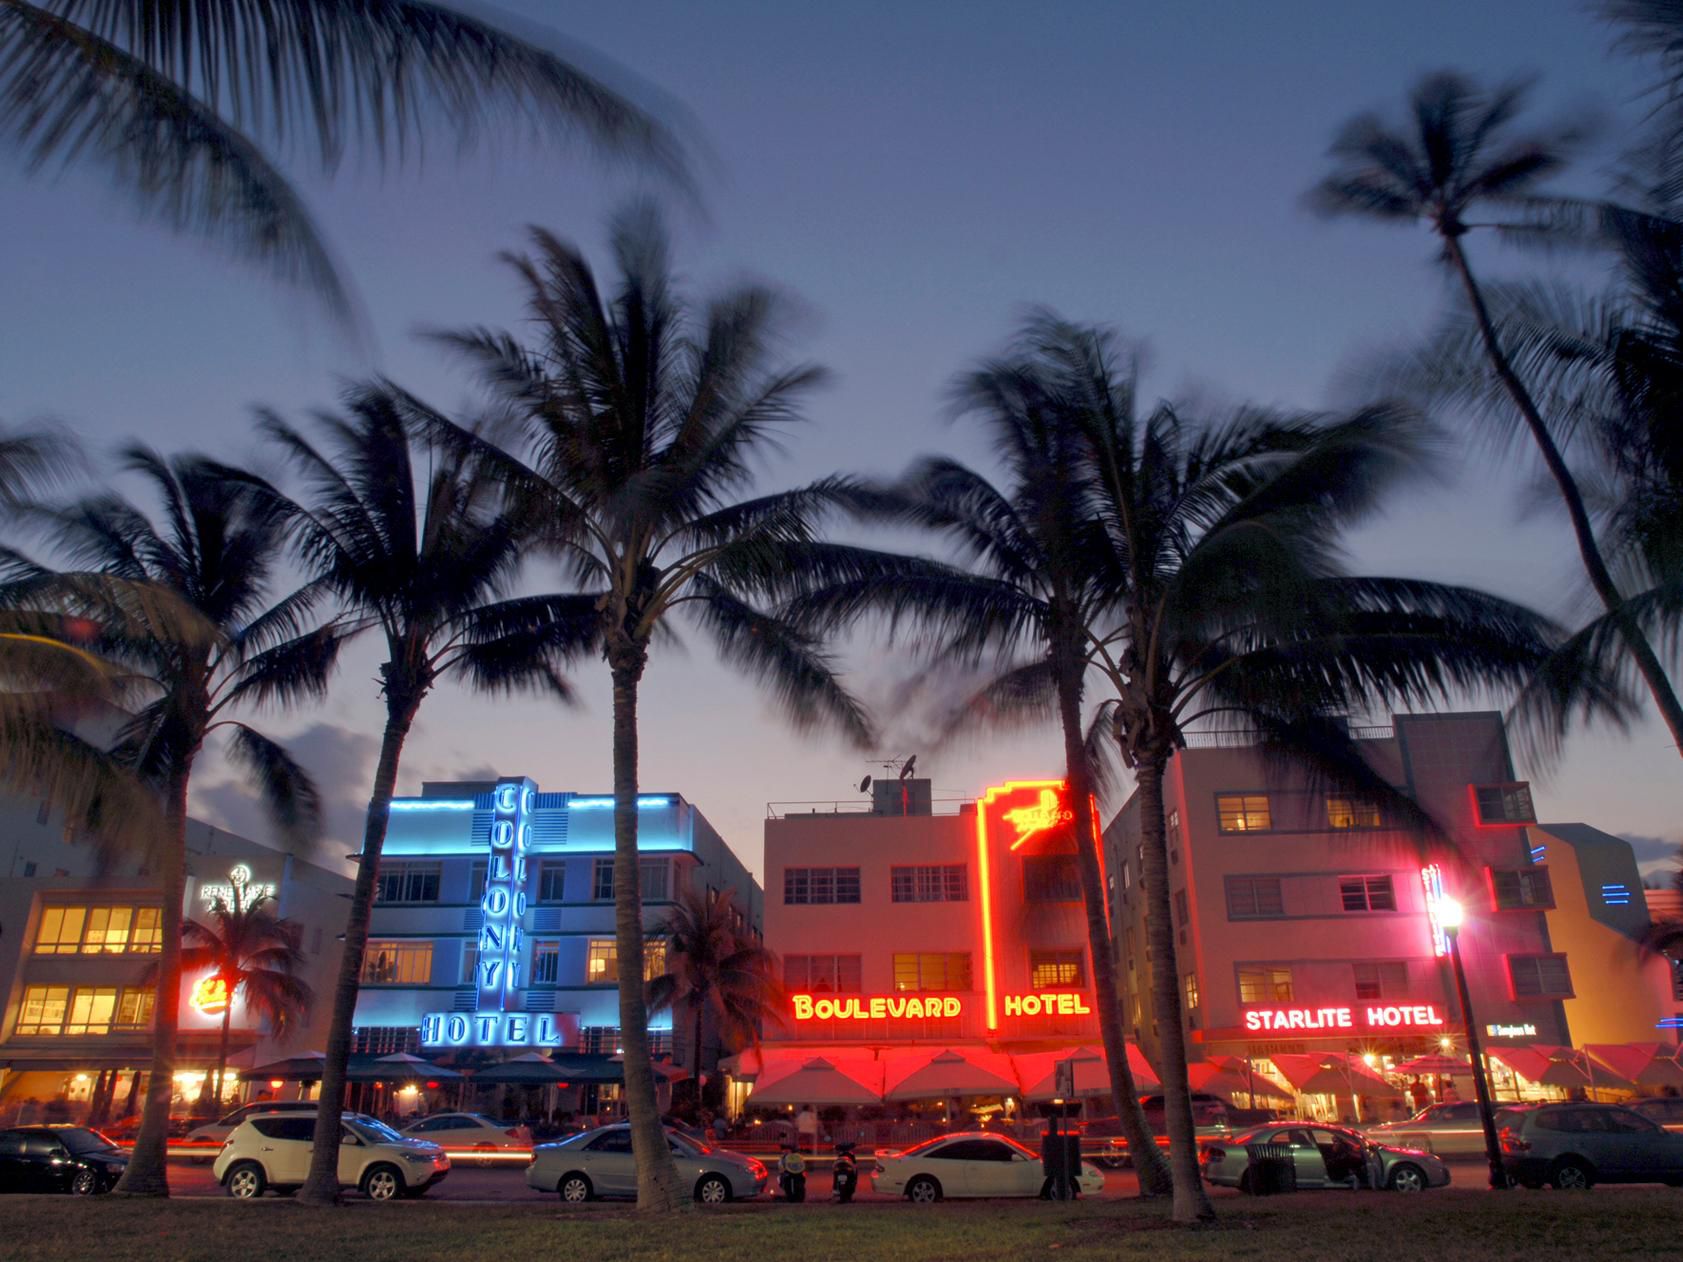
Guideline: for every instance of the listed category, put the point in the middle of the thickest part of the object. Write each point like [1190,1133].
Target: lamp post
[1450,916]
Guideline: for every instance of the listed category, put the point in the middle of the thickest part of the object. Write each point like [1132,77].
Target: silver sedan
[1326,1157]
[599,1163]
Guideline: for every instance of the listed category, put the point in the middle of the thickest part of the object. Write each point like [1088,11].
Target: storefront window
[1264,984]
[948,970]
[1243,812]
[1057,970]
[397,963]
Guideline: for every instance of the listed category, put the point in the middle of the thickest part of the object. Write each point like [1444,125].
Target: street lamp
[1450,916]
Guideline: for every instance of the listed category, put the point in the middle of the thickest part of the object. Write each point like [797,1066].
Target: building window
[98,931]
[386,1040]
[601,961]
[932,970]
[929,883]
[1677,979]
[653,880]
[408,883]
[1519,888]
[134,1010]
[599,1040]
[1057,970]
[91,1010]
[546,961]
[1254,898]
[1052,878]
[1367,893]
[43,1009]
[397,963]
[1504,803]
[823,974]
[820,885]
[470,963]
[1243,812]
[1264,984]
[1171,833]
[1540,977]
[654,958]
[1181,912]
[602,881]
[552,881]
[1190,987]
[1387,980]
[476,881]
[1352,812]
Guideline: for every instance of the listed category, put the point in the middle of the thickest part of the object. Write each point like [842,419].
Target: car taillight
[1512,1142]
[512,1134]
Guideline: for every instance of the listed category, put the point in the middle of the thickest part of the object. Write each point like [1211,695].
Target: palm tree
[641,422]
[177,101]
[257,956]
[717,972]
[408,536]
[215,549]
[1653,29]
[1456,153]
[1231,603]
[1020,601]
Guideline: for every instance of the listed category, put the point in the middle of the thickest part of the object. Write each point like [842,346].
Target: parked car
[1326,1157]
[1453,1129]
[124,1130]
[219,1130]
[1666,1110]
[598,1163]
[971,1163]
[272,1150]
[70,1159]
[1209,1121]
[460,1131]
[1580,1145]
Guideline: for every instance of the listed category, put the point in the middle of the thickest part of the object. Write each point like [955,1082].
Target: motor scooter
[791,1173]
[844,1175]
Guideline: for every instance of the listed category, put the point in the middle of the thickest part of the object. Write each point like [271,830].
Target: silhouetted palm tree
[717,972]
[1653,29]
[409,537]
[256,956]
[216,547]
[643,418]
[1457,151]
[176,102]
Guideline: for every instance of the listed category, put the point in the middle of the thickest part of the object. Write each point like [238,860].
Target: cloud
[339,759]
[1655,856]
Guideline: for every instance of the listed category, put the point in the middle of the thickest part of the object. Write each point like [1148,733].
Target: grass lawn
[1602,1224]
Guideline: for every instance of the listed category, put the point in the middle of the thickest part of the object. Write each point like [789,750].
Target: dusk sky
[916,173]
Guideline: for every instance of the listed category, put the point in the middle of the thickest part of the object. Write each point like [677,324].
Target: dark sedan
[70,1159]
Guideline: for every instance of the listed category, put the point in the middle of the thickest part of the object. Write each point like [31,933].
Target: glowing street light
[1449,915]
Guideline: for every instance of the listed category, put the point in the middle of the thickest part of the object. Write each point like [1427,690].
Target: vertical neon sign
[1431,877]
[1026,820]
[504,902]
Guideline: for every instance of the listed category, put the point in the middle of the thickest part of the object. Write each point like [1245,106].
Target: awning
[304,1067]
[399,1067]
[1539,1064]
[1218,1076]
[819,1080]
[1339,1074]
[1435,1064]
[934,1076]
[1037,1072]
[531,1069]
[1642,1064]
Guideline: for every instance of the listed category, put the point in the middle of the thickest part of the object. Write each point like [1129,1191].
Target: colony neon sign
[1415,1016]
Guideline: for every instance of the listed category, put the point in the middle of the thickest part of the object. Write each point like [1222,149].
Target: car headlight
[418,1156]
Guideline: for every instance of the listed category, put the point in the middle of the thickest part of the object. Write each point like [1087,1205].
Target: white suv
[273,1151]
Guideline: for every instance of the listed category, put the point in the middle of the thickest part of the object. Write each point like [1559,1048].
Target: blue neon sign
[431,804]
[504,902]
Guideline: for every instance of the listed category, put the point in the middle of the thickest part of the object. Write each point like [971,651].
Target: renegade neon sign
[1373,1016]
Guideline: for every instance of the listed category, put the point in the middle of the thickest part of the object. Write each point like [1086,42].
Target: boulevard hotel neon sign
[914,1007]
[1369,1017]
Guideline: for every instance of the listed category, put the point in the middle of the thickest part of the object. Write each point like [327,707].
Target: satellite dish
[906,769]
[865,785]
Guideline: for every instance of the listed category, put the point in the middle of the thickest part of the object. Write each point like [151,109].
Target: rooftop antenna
[865,785]
[907,767]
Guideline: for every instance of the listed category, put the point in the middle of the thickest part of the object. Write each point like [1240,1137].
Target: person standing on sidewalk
[806,1126]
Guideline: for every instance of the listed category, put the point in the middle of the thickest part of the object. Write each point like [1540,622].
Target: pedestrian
[721,1128]
[806,1127]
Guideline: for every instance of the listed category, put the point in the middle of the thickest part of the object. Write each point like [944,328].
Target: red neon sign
[210,996]
[1367,1016]
[1047,811]
[1054,1003]
[875,1007]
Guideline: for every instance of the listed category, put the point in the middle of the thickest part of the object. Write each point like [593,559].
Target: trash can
[1272,1169]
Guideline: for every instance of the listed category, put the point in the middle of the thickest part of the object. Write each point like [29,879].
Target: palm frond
[285,788]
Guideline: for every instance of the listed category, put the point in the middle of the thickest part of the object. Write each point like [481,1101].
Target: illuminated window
[601,961]
[1382,980]
[1352,812]
[408,883]
[546,961]
[397,963]
[470,963]
[1254,898]
[654,958]
[1243,812]
[929,883]
[1520,888]
[820,885]
[823,974]
[91,1010]
[1264,984]
[1057,970]
[108,930]
[1540,977]
[552,881]
[148,934]
[1367,893]
[134,1010]
[1504,803]
[60,932]
[932,970]
[43,1009]
[98,931]
[1052,878]
[1189,985]
[1171,834]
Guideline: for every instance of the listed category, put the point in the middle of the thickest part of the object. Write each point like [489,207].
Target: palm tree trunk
[1191,1204]
[321,1186]
[1148,1159]
[222,1050]
[695,1065]
[148,1169]
[1583,530]
[657,1174]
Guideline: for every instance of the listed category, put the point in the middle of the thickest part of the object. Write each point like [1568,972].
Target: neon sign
[490,1029]
[1047,811]
[239,891]
[210,996]
[1047,1004]
[875,1007]
[1417,1016]
[1524,1031]
[1431,877]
